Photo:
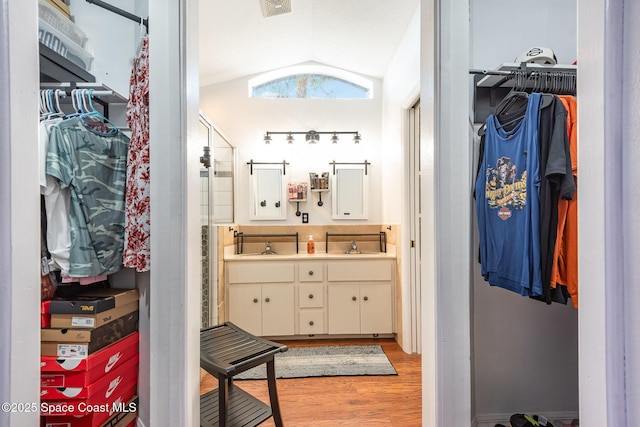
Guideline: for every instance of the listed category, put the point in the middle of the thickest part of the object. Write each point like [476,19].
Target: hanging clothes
[137,251]
[507,203]
[56,206]
[565,271]
[92,165]
[556,183]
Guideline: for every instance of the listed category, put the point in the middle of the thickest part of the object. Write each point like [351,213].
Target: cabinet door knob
[266,299]
[366,298]
[353,298]
[310,272]
[311,323]
[310,296]
[255,300]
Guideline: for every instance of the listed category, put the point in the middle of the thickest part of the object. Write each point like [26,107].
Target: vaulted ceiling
[356,35]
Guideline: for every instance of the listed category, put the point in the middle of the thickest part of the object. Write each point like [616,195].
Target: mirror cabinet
[268,195]
[349,192]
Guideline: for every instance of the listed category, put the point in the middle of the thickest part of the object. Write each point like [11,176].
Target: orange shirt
[565,266]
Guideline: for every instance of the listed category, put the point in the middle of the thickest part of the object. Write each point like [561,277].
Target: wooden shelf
[244,409]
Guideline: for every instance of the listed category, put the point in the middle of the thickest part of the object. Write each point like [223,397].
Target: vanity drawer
[260,272]
[311,295]
[360,270]
[310,272]
[312,322]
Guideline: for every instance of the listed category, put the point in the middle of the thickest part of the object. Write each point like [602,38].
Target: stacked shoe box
[89,360]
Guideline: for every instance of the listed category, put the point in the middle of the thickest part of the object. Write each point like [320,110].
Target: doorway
[414,228]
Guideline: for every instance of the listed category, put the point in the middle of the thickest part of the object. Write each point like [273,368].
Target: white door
[277,310]
[344,309]
[375,309]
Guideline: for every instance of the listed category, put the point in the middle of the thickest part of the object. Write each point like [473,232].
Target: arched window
[311,82]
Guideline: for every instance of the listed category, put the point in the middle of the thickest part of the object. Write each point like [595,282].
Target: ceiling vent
[275,7]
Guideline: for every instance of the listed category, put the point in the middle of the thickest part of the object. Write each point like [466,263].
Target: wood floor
[375,401]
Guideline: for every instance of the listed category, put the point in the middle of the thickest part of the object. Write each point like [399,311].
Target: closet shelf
[491,86]
[504,80]
[112,98]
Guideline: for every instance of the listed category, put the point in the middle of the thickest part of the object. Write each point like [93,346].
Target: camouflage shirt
[93,165]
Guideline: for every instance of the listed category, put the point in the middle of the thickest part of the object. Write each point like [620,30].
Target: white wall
[113,40]
[244,121]
[400,89]
[502,30]
[525,352]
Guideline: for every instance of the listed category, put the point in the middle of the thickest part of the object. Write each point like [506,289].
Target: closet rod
[490,72]
[121,12]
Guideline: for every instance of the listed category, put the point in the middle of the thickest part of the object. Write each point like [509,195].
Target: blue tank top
[508,206]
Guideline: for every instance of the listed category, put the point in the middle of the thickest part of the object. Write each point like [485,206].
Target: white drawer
[312,322]
[360,270]
[260,272]
[310,272]
[311,295]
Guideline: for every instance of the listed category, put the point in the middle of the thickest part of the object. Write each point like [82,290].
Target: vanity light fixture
[312,136]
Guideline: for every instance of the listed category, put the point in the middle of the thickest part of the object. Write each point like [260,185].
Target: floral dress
[137,227]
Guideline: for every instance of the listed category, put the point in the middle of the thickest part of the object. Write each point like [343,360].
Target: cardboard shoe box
[98,415]
[91,320]
[93,393]
[126,418]
[80,343]
[73,372]
[93,302]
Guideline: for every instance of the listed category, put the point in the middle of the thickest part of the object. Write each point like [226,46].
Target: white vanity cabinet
[311,297]
[360,295]
[261,297]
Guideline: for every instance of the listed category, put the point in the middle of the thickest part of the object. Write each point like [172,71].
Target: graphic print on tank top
[507,204]
[505,189]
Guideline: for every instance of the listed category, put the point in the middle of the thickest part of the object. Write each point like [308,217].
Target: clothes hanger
[93,118]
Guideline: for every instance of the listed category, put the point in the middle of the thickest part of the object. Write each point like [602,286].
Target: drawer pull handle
[310,296]
[366,298]
[255,300]
[267,299]
[311,323]
[353,298]
[310,272]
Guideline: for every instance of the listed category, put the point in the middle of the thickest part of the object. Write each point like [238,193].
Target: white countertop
[229,255]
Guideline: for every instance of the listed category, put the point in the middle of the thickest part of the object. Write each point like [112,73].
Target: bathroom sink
[359,253]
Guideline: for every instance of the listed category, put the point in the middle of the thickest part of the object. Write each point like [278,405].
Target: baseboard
[490,420]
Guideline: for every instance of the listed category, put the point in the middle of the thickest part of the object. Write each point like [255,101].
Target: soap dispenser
[311,245]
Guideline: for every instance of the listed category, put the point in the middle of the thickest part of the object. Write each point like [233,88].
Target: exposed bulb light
[312,136]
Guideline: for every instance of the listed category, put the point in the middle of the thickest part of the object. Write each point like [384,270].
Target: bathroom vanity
[317,295]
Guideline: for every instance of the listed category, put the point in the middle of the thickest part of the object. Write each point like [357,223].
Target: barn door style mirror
[349,198]
[268,192]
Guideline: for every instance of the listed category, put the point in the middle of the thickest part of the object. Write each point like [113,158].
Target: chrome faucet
[267,249]
[354,248]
